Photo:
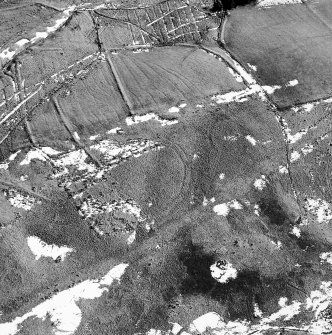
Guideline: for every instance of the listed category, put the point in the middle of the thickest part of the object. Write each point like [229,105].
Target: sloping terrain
[165,169]
[285,43]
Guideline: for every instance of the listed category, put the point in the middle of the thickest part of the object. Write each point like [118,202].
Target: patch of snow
[75,158]
[237,77]
[24,178]
[222,176]
[76,136]
[294,138]
[222,272]
[182,105]
[257,312]
[202,323]
[199,106]
[19,200]
[62,307]
[260,183]
[251,140]
[205,201]
[14,155]
[268,3]
[4,166]
[257,210]
[41,249]
[131,237]
[174,110]
[292,83]
[94,137]
[296,231]
[231,138]
[271,89]
[49,151]
[320,208]
[283,169]
[307,149]
[221,209]
[148,117]
[116,130]
[278,244]
[33,154]
[295,155]
[22,42]
[252,67]
[236,96]
[326,256]
[235,204]
[286,312]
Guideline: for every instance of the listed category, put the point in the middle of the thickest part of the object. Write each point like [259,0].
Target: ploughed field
[165,167]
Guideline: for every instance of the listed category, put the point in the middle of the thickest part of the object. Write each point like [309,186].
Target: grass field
[285,43]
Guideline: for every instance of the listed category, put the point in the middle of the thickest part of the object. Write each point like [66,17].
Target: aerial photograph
[165,167]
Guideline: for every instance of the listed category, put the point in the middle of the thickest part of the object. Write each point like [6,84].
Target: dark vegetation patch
[219,5]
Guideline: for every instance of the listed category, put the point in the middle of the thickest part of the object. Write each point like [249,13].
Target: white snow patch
[116,130]
[283,169]
[94,137]
[236,96]
[260,183]
[296,231]
[202,323]
[50,151]
[278,244]
[148,117]
[321,208]
[252,67]
[326,256]
[76,136]
[257,312]
[76,158]
[221,209]
[14,155]
[174,110]
[222,176]
[292,83]
[295,155]
[19,200]
[307,149]
[223,272]
[268,3]
[231,138]
[271,89]
[296,137]
[237,77]
[257,210]
[41,249]
[182,105]
[22,42]
[62,307]
[286,312]
[251,140]
[205,201]
[131,237]
[4,166]
[33,154]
